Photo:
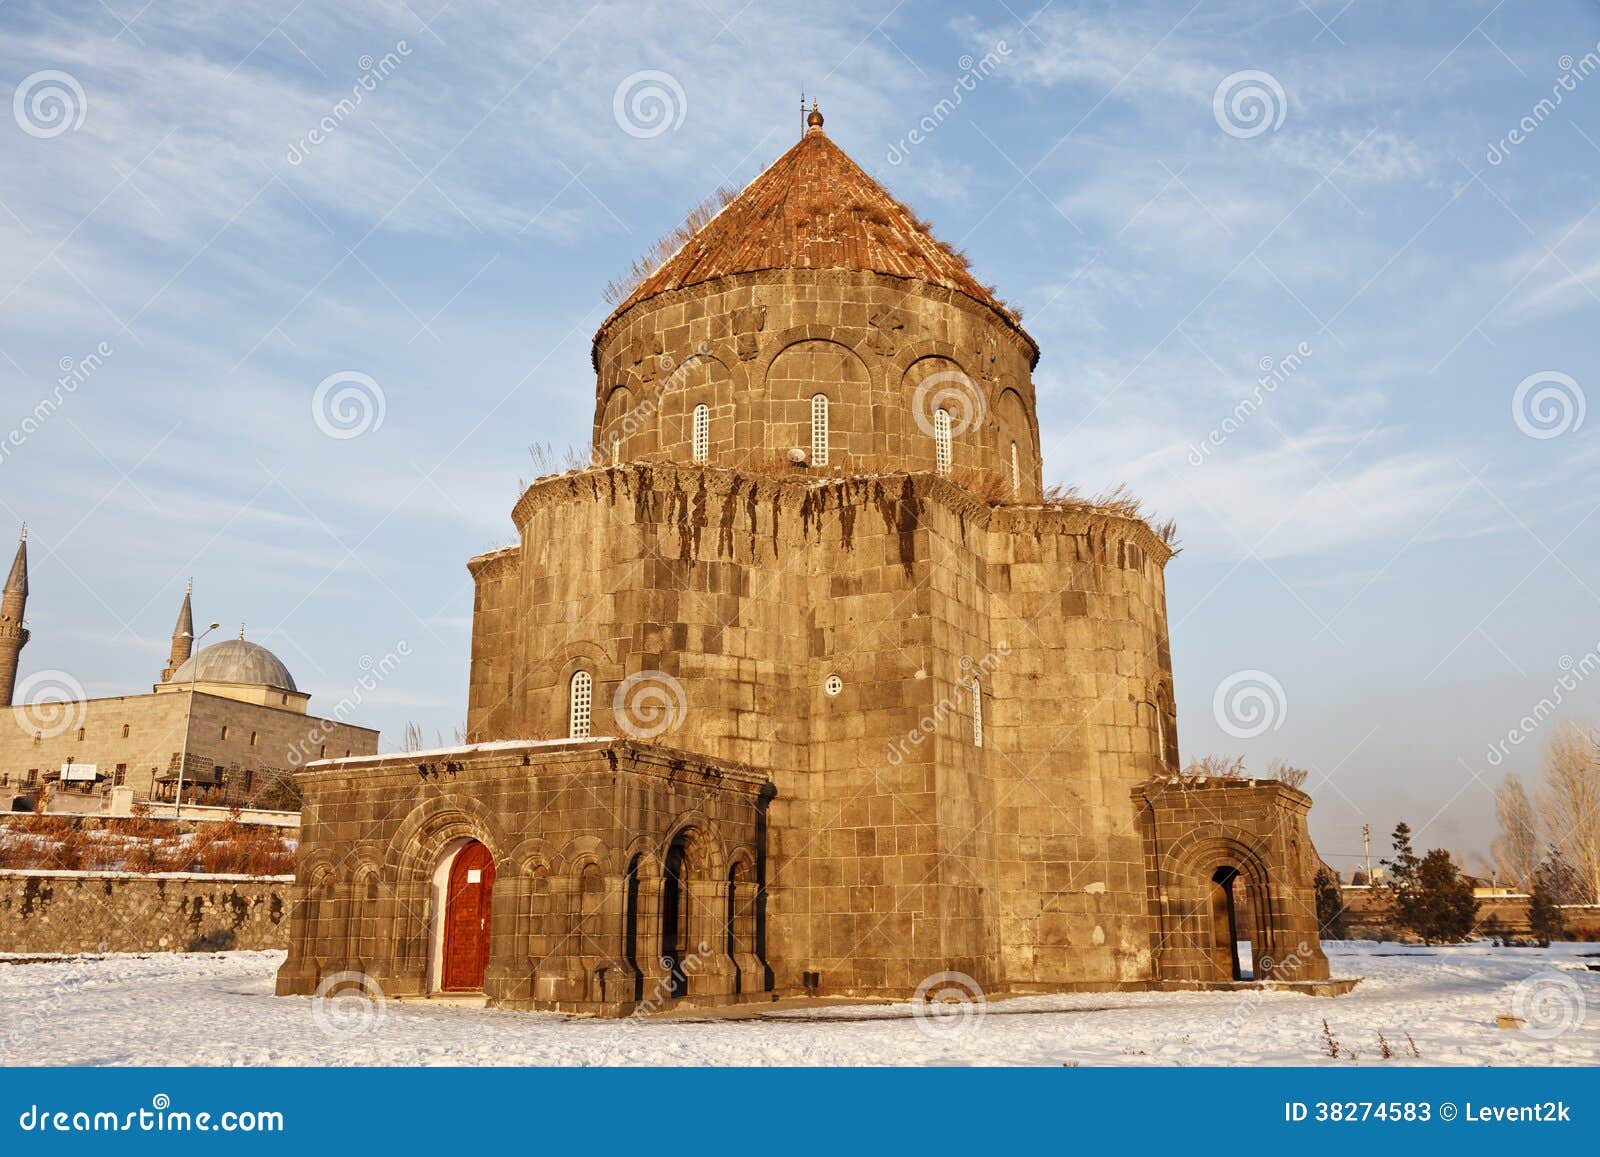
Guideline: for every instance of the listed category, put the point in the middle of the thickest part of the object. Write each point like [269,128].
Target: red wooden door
[466,919]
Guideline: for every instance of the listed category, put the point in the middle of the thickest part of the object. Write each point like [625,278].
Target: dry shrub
[642,268]
[41,824]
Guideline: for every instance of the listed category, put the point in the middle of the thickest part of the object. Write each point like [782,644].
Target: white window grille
[941,441]
[616,449]
[1016,473]
[702,433]
[977,711]
[579,703]
[819,430]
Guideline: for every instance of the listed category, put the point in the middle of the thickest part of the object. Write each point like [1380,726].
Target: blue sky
[1393,534]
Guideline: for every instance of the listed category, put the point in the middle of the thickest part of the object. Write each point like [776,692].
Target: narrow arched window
[702,433]
[977,711]
[941,441]
[616,449]
[819,429]
[1016,473]
[580,700]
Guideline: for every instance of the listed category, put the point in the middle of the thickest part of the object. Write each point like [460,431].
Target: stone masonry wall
[65,912]
[756,348]
[900,846]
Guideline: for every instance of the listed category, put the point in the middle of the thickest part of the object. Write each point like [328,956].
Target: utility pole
[1366,849]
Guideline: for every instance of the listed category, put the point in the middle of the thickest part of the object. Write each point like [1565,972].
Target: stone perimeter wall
[65,912]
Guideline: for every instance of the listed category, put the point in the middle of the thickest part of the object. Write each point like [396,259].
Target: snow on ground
[218,1009]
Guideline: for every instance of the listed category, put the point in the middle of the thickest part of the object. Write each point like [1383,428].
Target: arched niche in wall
[931,384]
[700,379]
[804,369]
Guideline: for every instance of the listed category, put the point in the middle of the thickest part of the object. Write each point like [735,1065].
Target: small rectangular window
[224,731]
[580,701]
[819,430]
[702,433]
[941,441]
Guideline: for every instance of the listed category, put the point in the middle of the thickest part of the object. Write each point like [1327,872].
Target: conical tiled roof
[813,208]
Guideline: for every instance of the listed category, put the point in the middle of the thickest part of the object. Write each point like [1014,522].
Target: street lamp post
[188,721]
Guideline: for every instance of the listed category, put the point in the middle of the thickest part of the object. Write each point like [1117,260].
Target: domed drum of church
[805,686]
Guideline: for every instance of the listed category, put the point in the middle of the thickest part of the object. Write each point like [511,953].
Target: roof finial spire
[814,121]
[241,630]
[24,537]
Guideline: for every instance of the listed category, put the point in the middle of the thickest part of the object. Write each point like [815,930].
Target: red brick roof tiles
[814,208]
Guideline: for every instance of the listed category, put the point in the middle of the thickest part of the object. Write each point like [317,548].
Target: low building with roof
[224,726]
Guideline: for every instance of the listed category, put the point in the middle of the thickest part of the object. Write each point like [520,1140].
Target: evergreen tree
[1546,920]
[1401,880]
[1445,909]
[1330,906]
[1428,897]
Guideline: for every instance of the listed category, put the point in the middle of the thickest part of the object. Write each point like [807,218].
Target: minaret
[13,605]
[182,636]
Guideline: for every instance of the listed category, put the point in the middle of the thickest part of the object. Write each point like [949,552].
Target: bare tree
[1287,773]
[412,740]
[1216,767]
[1570,802]
[1516,851]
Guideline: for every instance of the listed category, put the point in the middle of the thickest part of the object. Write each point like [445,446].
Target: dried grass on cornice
[621,289]
[1119,500]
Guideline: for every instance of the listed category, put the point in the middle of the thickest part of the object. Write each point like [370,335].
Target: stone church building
[806,685]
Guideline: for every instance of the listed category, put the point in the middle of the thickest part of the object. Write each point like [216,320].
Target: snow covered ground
[219,1010]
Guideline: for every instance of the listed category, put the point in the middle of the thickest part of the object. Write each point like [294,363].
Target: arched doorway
[1225,924]
[466,919]
[675,916]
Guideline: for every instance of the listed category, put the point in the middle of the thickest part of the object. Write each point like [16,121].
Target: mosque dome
[235,661]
